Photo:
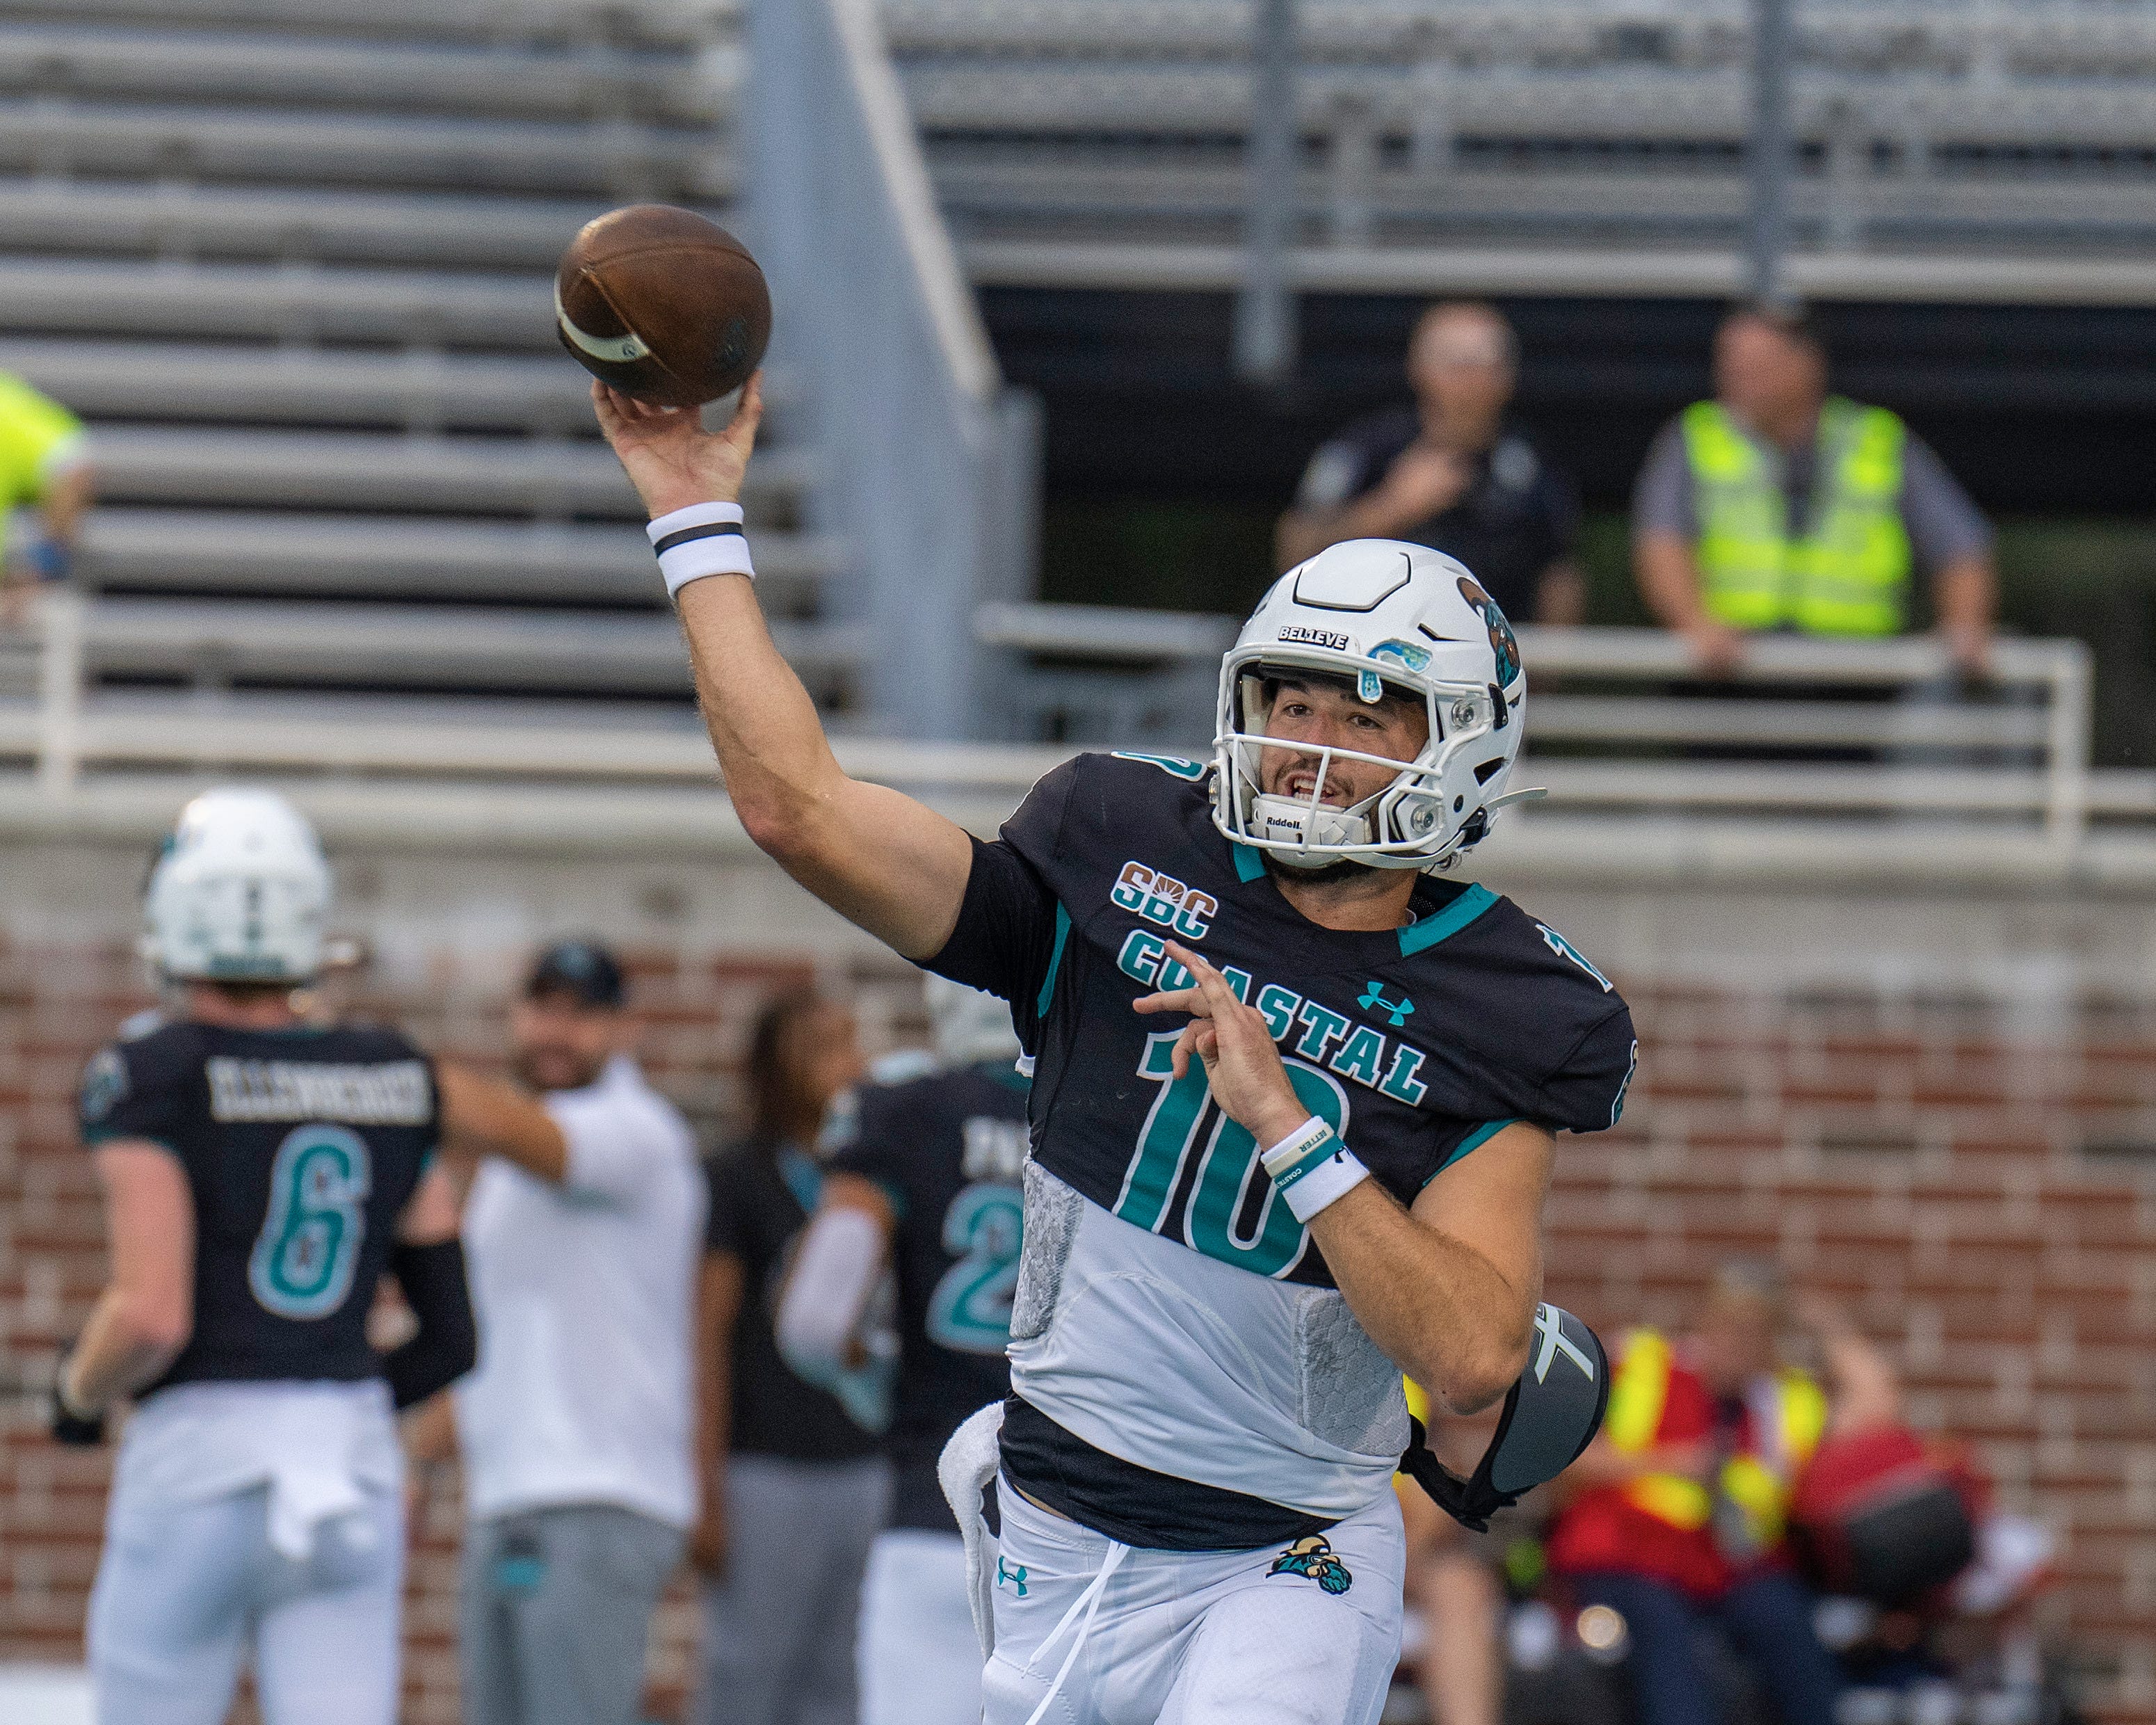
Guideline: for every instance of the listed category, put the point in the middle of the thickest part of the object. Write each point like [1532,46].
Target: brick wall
[56,1007]
[1981,1193]
[1979,1187]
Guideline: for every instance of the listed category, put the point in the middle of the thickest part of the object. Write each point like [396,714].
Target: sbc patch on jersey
[1312,1557]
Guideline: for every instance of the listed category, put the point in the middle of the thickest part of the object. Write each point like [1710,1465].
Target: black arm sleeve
[447,1344]
[1006,927]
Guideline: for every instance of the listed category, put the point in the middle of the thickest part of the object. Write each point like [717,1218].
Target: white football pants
[1092,1632]
[186,1592]
[920,1662]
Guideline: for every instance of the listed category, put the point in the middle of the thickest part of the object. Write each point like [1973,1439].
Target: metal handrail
[1132,650]
[931,464]
[1104,632]
[2047,773]
[959,330]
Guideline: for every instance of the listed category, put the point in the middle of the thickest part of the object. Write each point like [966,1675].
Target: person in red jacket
[1680,1507]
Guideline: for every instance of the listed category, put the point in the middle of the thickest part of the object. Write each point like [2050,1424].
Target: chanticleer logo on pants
[1313,1557]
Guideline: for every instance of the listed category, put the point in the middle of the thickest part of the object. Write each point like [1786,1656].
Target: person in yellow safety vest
[44,463]
[1776,506]
[1680,1507]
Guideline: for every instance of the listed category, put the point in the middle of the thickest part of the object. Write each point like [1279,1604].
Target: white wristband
[703,539]
[1312,1169]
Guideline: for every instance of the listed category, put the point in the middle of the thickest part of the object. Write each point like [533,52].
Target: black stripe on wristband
[718,530]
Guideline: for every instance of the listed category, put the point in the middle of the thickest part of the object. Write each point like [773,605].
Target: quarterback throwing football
[1291,1121]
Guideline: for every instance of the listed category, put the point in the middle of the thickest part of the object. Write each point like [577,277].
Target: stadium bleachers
[1615,127]
[294,265]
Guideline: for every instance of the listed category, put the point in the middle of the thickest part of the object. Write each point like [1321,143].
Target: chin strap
[1550,1415]
[1451,1493]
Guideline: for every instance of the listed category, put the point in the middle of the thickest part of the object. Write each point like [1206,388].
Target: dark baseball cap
[583,969]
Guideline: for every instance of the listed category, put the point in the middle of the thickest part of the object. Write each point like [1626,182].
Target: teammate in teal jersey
[1230,1259]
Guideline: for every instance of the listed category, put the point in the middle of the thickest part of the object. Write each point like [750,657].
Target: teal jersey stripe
[803,1178]
[1249,861]
[1004,1073]
[92,1136]
[1054,960]
[1475,1141]
[1417,937]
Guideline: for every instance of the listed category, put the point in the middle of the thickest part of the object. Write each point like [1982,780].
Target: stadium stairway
[292,260]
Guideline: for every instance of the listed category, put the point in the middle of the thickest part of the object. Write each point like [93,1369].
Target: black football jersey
[948,1150]
[1416,1043]
[302,1147]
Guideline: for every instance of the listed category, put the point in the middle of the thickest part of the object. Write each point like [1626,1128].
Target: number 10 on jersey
[1211,1220]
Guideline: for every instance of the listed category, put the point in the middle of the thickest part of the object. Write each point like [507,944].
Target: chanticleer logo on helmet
[1392,622]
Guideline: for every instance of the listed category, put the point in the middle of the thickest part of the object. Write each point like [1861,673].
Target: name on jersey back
[387,1093]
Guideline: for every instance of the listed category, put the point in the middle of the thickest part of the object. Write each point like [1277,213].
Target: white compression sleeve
[834,1273]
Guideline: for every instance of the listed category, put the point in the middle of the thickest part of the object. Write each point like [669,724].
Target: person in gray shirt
[1778,506]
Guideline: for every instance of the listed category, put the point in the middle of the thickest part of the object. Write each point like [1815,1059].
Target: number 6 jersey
[302,1147]
[1185,1373]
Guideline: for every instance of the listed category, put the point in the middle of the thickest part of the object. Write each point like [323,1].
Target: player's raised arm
[875,856]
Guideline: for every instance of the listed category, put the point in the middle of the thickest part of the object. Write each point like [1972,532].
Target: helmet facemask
[1401,825]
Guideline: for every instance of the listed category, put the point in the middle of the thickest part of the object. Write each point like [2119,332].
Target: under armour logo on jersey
[1373,1000]
[1550,1324]
[1016,1577]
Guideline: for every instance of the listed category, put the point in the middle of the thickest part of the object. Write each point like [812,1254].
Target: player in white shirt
[575,1427]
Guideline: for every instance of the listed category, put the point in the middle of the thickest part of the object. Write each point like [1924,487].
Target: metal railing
[1107,141]
[1619,718]
[931,462]
[68,733]
[1817,730]
[2016,744]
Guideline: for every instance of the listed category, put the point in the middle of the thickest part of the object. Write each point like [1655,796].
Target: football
[663,304]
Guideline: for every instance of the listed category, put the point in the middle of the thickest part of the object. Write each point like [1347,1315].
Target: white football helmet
[968,1026]
[238,892]
[1387,617]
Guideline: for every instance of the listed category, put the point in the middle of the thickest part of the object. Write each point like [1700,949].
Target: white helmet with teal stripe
[1388,618]
[238,892]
